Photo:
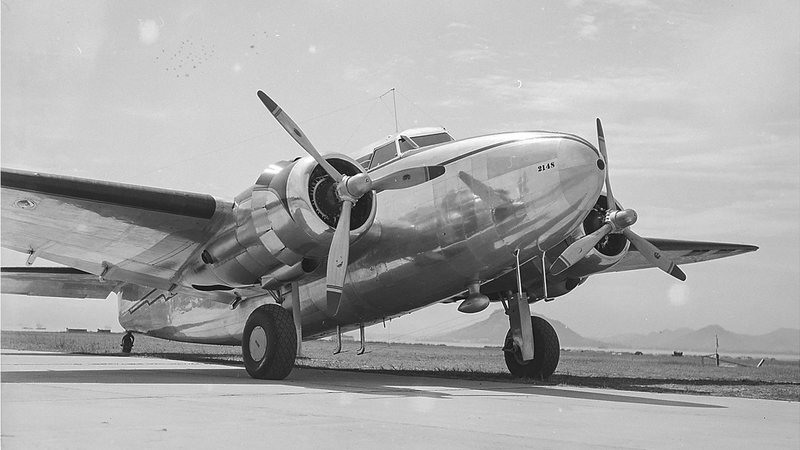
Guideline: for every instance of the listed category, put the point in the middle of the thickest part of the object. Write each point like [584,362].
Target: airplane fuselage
[525,191]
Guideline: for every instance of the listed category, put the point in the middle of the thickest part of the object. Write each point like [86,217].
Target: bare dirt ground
[776,379]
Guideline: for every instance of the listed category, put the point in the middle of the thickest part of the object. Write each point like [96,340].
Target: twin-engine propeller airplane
[321,245]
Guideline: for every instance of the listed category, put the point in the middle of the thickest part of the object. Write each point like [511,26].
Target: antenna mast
[394,102]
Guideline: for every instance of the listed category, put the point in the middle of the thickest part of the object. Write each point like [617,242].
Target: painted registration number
[546,166]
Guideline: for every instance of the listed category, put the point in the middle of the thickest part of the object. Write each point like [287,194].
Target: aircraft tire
[546,352]
[269,343]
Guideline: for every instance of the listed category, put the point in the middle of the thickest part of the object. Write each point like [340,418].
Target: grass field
[776,379]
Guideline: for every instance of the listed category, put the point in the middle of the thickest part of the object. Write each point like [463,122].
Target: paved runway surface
[52,400]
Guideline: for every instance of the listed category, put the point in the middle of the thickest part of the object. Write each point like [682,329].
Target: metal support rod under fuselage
[544,274]
[523,336]
[338,340]
[363,346]
[298,320]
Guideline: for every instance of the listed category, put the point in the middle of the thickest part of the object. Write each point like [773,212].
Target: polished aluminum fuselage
[427,243]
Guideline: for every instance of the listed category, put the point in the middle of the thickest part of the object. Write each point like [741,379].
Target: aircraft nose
[581,172]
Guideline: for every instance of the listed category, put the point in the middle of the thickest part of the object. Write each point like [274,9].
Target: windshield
[383,153]
[406,144]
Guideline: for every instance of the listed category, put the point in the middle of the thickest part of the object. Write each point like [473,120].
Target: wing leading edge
[123,232]
[681,252]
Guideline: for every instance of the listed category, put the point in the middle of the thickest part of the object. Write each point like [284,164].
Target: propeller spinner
[348,189]
[616,221]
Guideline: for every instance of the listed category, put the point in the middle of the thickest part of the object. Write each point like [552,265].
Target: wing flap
[64,282]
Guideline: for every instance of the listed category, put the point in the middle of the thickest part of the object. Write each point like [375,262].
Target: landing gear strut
[127,342]
[545,353]
[269,343]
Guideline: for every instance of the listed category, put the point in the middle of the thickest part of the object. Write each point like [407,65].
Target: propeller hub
[621,219]
[351,188]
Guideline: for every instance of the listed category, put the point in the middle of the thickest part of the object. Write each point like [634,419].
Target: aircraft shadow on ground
[406,383]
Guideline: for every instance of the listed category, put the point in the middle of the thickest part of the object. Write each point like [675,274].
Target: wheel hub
[258,343]
[518,356]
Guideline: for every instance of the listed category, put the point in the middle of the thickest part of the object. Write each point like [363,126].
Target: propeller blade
[407,178]
[338,256]
[601,140]
[653,255]
[288,124]
[578,249]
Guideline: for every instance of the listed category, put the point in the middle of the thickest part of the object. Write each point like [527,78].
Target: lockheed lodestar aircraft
[325,244]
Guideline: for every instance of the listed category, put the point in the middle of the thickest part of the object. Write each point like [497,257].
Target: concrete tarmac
[52,400]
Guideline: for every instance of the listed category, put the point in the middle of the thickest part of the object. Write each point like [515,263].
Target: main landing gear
[269,343]
[127,342]
[546,351]
[531,348]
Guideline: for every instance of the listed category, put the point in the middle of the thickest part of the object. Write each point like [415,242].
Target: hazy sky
[700,103]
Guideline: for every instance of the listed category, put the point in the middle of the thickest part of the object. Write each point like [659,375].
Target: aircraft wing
[681,252]
[64,282]
[121,232]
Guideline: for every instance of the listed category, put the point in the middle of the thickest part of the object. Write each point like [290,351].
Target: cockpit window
[364,161]
[431,139]
[383,153]
[405,143]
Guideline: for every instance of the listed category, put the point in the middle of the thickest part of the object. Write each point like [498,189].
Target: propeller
[616,221]
[348,189]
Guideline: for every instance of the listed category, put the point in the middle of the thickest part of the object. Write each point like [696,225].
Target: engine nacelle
[607,252]
[284,225]
[555,287]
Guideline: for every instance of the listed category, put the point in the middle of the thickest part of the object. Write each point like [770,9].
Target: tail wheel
[546,351]
[269,343]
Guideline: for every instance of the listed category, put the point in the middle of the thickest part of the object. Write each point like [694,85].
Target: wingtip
[268,102]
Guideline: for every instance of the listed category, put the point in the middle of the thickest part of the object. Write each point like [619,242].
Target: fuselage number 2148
[546,166]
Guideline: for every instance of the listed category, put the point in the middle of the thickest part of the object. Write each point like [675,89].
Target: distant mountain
[492,330]
[655,340]
[784,341]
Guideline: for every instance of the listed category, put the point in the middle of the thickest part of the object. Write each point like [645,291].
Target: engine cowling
[607,252]
[284,225]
